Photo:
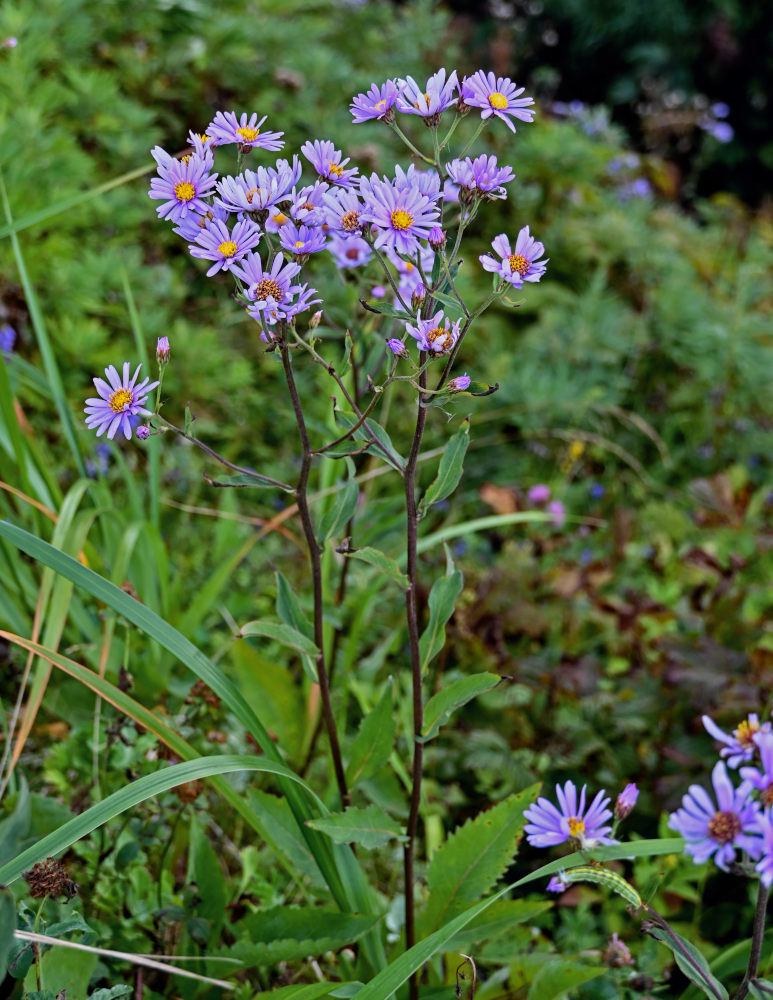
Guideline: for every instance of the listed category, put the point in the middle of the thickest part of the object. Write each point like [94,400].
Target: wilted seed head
[202,692]
[50,878]
[189,791]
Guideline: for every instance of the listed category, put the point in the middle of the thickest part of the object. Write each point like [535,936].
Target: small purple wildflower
[548,825]
[479,177]
[226,128]
[429,101]
[556,885]
[182,185]
[143,432]
[120,399]
[326,160]
[223,247]
[539,493]
[301,241]
[518,264]
[342,212]
[459,384]
[256,190]
[398,348]
[9,43]
[351,252]
[740,746]
[7,338]
[558,512]
[402,216]
[435,335]
[765,867]
[190,227]
[309,205]
[426,182]
[497,96]
[718,830]
[376,104]
[626,801]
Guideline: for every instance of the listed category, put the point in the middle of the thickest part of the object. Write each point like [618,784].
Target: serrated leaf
[691,962]
[343,509]
[557,978]
[369,827]
[373,743]
[475,855]
[111,993]
[449,469]
[7,928]
[441,705]
[286,634]
[442,601]
[379,559]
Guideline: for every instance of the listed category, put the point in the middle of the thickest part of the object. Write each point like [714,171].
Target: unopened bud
[398,348]
[143,432]
[162,350]
[459,384]
[418,295]
[437,238]
[626,800]
[617,953]
[315,320]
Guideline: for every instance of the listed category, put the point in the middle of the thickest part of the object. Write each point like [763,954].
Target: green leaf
[286,634]
[557,978]
[472,859]
[70,969]
[241,479]
[368,827]
[7,928]
[441,705]
[691,962]
[373,743]
[289,611]
[336,519]
[204,868]
[449,470]
[499,918]
[15,828]
[308,991]
[442,601]
[111,993]
[367,432]
[379,559]
[147,787]
[761,989]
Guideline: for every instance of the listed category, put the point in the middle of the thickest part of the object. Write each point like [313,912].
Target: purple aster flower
[459,384]
[326,160]
[190,227]
[7,338]
[301,302]
[199,140]
[270,312]
[377,103]
[256,190]
[762,778]
[434,335]
[740,746]
[558,511]
[120,399]
[342,212]
[182,184]
[225,128]
[496,96]
[765,867]
[301,241]
[309,204]
[429,101]
[268,292]
[539,494]
[478,177]
[519,264]
[402,216]
[718,829]
[626,801]
[425,182]
[351,252]
[223,247]
[548,825]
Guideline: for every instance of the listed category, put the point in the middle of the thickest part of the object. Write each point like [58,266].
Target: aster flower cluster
[737,817]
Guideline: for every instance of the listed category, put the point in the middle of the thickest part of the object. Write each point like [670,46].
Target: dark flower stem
[409,852]
[301,498]
[757,935]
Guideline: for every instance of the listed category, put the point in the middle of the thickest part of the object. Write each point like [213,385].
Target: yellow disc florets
[350,221]
[184,191]
[497,101]
[745,732]
[248,134]
[334,169]
[576,826]
[401,219]
[120,400]
[227,249]
[518,263]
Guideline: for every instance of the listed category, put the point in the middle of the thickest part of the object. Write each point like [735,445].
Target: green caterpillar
[602,876]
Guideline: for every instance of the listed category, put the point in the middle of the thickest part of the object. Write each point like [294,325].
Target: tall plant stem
[409,852]
[757,936]
[315,553]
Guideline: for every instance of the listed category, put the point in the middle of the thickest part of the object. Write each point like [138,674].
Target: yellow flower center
[497,101]
[268,288]
[300,244]
[249,194]
[426,102]
[724,827]
[381,103]
[248,134]
[576,826]
[408,267]
[401,219]
[184,159]
[120,399]
[518,263]
[184,191]
[335,169]
[227,249]
[350,221]
[745,732]
[280,218]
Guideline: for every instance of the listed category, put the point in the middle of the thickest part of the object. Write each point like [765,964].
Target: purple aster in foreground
[120,399]
[762,778]
[301,241]
[765,867]
[429,101]
[257,190]
[479,177]
[353,251]
[719,829]
[225,247]
[548,825]
[225,128]
[425,182]
[309,204]
[434,335]
[269,292]
[518,264]
[496,96]
[401,216]
[342,212]
[182,185]
[326,160]
[190,227]
[376,104]
[740,746]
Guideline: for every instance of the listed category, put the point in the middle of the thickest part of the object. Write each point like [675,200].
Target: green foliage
[369,827]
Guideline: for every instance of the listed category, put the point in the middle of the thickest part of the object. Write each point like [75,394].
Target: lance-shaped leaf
[692,963]
[439,708]
[289,611]
[241,479]
[442,601]
[379,559]
[557,977]
[286,634]
[368,827]
[371,433]
[334,521]
[373,743]
[449,470]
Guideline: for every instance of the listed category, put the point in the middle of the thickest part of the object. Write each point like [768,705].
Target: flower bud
[162,350]
[459,384]
[315,320]
[418,295]
[539,494]
[398,348]
[626,800]
[437,238]
[143,432]
[617,953]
